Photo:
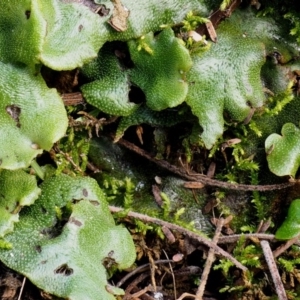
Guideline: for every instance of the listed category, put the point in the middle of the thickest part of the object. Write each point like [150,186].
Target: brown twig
[133,284]
[263,226]
[273,270]
[152,270]
[235,237]
[209,261]
[141,269]
[200,177]
[182,230]
[218,16]
[92,167]
[285,246]
[141,292]
[186,295]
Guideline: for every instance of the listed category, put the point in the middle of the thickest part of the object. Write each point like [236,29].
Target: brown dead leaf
[226,226]
[139,132]
[102,11]
[156,193]
[211,170]
[14,111]
[209,205]
[168,234]
[211,31]
[119,17]
[187,246]
[229,143]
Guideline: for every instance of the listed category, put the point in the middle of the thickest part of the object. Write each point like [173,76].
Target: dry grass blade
[172,273]
[285,246]
[22,288]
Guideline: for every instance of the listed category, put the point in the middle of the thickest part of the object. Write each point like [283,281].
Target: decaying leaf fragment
[119,17]
[211,31]
[14,111]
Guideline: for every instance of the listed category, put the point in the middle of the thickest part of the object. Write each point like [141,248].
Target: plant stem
[203,240]
[38,170]
[200,178]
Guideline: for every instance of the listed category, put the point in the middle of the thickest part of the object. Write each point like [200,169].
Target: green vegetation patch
[110,88]
[67,242]
[283,151]
[290,228]
[18,189]
[226,78]
[160,67]
[32,116]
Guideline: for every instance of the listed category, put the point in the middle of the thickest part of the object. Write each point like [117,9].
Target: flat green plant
[119,48]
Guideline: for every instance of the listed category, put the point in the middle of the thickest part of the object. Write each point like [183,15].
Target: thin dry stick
[172,273]
[182,230]
[22,288]
[152,271]
[200,177]
[264,226]
[92,168]
[285,246]
[235,237]
[186,295]
[209,261]
[142,292]
[273,270]
[141,269]
[134,284]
